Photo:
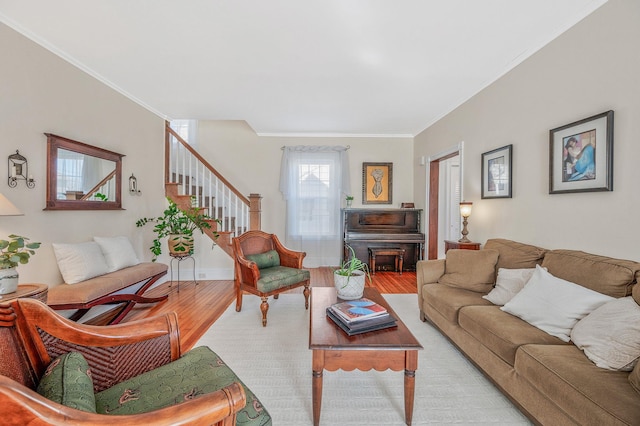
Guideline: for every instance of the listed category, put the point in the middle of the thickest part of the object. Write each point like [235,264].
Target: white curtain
[313,180]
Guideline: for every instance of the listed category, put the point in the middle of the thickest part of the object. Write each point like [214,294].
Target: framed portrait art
[496,173]
[581,155]
[377,183]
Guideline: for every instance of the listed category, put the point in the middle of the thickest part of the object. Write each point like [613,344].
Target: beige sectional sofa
[551,380]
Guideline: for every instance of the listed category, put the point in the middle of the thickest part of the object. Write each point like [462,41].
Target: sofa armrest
[131,348]
[427,272]
[21,405]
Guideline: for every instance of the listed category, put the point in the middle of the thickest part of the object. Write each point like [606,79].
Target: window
[313,180]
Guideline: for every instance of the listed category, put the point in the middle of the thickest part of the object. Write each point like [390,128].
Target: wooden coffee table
[393,348]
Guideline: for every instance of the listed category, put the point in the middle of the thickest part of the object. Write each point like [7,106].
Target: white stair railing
[209,190]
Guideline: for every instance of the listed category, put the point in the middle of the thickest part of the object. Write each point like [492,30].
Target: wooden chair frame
[247,273]
[32,335]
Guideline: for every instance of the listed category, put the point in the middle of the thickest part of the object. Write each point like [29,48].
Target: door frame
[433,193]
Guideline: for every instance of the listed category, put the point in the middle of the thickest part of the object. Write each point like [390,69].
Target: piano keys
[376,228]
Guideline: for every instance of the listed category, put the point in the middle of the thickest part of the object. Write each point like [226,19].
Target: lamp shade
[465,208]
[7,208]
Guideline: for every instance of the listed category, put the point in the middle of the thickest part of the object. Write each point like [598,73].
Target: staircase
[190,181]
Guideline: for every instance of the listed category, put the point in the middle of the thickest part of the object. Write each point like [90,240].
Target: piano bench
[386,251]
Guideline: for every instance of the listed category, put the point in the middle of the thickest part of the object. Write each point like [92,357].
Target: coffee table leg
[316,386]
[411,364]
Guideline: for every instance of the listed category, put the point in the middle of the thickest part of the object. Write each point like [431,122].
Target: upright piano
[365,228]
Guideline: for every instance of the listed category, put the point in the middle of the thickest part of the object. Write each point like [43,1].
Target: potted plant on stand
[178,225]
[13,252]
[349,279]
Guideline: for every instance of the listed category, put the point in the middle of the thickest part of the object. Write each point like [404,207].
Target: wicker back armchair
[32,335]
[264,267]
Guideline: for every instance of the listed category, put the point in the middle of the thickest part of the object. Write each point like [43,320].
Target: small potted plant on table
[349,279]
[13,252]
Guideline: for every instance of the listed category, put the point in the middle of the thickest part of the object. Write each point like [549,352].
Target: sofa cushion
[613,277]
[508,283]
[470,269]
[590,395]
[79,262]
[96,287]
[636,292]
[500,332]
[449,300]
[610,335]
[634,378]
[199,371]
[265,260]
[515,255]
[280,276]
[67,381]
[552,304]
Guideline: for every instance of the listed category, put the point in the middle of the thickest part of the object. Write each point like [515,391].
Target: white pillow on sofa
[118,252]
[554,305]
[508,284]
[610,335]
[80,261]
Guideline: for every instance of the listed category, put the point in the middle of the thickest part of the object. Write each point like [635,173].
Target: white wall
[591,68]
[252,164]
[41,93]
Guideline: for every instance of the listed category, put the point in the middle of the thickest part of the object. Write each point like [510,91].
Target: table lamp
[465,212]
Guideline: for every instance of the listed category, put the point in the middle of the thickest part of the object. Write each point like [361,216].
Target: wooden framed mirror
[81,176]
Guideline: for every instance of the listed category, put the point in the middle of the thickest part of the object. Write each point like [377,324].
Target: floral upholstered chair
[264,267]
[55,371]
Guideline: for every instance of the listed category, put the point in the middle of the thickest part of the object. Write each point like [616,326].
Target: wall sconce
[19,170]
[465,212]
[133,185]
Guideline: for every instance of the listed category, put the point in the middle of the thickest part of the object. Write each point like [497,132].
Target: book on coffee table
[379,322]
[358,310]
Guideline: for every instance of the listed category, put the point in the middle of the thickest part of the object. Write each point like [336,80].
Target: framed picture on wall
[377,183]
[496,173]
[581,155]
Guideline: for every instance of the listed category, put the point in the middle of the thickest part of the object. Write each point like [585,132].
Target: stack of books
[360,316]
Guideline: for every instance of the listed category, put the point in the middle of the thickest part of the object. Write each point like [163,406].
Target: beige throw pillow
[470,269]
[610,335]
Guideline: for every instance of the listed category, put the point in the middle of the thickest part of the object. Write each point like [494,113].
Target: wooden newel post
[255,210]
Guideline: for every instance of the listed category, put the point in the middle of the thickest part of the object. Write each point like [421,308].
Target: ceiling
[293,67]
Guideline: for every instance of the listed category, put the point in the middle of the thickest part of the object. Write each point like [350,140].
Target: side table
[448,244]
[33,291]
[180,258]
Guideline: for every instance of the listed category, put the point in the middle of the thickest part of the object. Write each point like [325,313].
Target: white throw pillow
[118,251]
[554,305]
[79,262]
[508,284]
[610,335]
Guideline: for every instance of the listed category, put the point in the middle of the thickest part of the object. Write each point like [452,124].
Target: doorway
[444,186]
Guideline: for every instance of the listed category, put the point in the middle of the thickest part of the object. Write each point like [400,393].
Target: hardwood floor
[199,306]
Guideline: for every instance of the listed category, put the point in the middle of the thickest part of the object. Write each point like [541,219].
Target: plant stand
[180,258]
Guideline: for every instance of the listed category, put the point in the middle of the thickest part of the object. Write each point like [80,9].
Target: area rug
[275,363]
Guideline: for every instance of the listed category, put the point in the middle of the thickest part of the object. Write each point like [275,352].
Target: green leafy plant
[175,221]
[102,197]
[352,264]
[16,251]
[349,197]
